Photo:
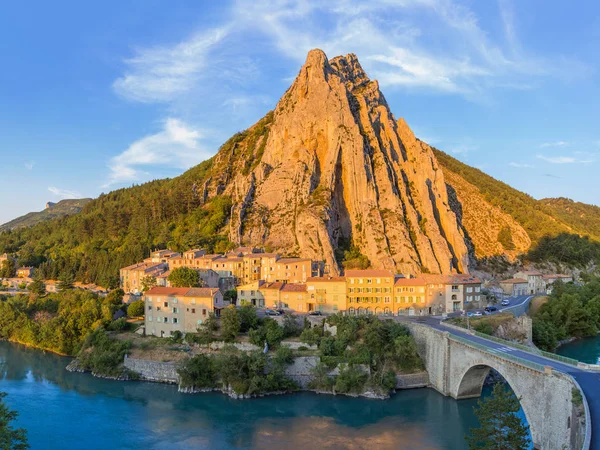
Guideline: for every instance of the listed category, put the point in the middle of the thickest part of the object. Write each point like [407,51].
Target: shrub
[197,372]
[248,318]
[118,325]
[230,323]
[311,336]
[350,380]
[103,354]
[136,309]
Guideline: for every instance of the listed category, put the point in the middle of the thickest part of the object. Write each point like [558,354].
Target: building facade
[179,309]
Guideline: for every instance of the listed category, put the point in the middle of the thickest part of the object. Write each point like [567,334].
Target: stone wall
[162,372]
[412,380]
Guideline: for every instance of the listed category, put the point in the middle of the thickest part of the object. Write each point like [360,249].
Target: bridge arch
[471,384]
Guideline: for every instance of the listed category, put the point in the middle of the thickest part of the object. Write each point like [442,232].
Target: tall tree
[8,269]
[184,277]
[37,286]
[10,438]
[500,427]
[65,282]
[230,323]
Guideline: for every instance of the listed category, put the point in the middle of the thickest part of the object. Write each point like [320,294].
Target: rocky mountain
[52,211]
[329,173]
[330,166]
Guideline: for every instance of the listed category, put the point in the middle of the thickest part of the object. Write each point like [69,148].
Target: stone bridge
[458,366]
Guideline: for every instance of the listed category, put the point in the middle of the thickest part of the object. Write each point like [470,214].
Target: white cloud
[562,159]
[159,74]
[177,145]
[554,144]
[29,165]
[520,165]
[63,193]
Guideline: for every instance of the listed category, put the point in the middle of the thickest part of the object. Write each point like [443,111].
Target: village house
[132,277]
[549,281]
[515,286]
[25,272]
[326,294]
[208,278]
[369,291]
[179,309]
[535,281]
[251,294]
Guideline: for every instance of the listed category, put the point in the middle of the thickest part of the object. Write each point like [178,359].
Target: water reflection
[80,411]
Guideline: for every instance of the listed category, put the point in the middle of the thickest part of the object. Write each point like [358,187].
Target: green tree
[230,296]
[248,318]
[8,269]
[500,427]
[230,323]
[184,277]
[10,438]
[148,282]
[65,282]
[506,239]
[136,309]
[37,286]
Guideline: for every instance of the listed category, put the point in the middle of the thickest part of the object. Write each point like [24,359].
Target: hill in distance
[52,211]
[329,174]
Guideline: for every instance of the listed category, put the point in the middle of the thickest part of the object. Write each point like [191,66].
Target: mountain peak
[331,168]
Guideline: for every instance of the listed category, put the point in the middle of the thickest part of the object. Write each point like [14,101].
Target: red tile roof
[324,279]
[201,292]
[514,281]
[160,290]
[293,287]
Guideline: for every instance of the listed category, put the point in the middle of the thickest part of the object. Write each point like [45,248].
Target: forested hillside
[530,213]
[583,218]
[121,227]
[62,208]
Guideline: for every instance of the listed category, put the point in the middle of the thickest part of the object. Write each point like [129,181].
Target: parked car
[477,314]
[280,311]
[490,309]
[271,312]
[315,313]
[470,314]
[505,303]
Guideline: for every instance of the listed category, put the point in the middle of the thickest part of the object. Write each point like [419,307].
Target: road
[589,381]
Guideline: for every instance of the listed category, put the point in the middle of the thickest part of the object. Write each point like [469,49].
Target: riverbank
[300,371]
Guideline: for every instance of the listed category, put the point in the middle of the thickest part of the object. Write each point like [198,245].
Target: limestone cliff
[331,165]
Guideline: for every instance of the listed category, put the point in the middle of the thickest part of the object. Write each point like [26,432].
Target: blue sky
[99,95]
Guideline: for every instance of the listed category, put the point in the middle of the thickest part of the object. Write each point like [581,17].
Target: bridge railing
[535,351]
[530,364]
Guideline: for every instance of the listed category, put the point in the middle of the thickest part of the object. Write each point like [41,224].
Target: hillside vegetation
[60,209]
[583,218]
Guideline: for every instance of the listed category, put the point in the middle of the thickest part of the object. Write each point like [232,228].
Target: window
[369,281]
[149,307]
[193,301]
[387,300]
[204,312]
[166,304]
[193,310]
[175,310]
[165,320]
[175,319]
[158,308]
[378,280]
[149,318]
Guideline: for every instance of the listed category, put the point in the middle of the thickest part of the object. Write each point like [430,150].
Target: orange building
[369,291]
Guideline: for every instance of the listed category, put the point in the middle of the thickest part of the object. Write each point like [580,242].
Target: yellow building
[326,294]
[369,291]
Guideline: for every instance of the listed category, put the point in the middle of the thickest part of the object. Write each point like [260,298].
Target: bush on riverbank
[102,354]
[251,373]
[571,311]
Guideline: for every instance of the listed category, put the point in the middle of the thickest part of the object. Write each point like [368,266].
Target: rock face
[330,167]
[484,223]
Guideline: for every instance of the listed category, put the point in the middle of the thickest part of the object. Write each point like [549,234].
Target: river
[586,350]
[63,410]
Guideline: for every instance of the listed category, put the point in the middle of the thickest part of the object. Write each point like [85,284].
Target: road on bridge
[589,381]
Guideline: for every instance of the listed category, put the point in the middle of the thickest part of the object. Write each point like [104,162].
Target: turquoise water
[62,410]
[585,350]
